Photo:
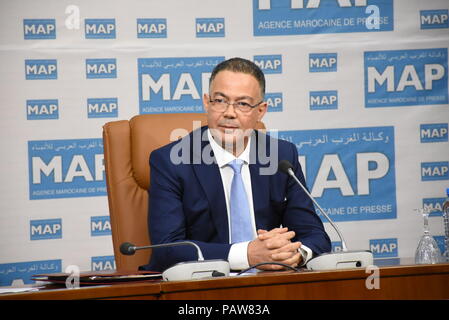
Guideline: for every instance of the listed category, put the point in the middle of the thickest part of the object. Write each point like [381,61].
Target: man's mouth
[229,126]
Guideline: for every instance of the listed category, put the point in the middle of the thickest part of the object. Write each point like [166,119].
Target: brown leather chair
[127,147]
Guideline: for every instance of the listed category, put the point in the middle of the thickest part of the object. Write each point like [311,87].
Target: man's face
[231,127]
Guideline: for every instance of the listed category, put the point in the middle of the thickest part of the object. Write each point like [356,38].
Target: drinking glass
[427,251]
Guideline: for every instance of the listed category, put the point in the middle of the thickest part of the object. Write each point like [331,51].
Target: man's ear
[261,110]
[206,101]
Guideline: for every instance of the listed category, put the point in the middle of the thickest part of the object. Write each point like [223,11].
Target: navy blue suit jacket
[187,201]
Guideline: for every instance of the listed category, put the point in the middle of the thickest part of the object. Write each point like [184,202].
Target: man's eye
[243,104]
[219,100]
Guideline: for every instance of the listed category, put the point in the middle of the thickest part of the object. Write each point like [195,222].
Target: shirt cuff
[238,256]
[306,254]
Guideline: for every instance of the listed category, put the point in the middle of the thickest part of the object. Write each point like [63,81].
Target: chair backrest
[127,147]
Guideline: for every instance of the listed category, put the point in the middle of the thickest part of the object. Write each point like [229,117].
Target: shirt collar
[222,156]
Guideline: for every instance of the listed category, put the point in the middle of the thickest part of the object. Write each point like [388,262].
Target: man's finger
[286,251]
[292,261]
[275,233]
[290,246]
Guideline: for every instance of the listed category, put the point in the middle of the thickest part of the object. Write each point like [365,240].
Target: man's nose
[230,112]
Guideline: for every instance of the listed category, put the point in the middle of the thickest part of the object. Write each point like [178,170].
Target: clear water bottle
[446,226]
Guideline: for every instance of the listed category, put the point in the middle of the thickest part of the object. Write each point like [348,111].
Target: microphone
[129,249]
[184,270]
[336,260]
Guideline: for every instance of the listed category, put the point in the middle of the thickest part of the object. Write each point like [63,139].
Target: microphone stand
[332,260]
[185,270]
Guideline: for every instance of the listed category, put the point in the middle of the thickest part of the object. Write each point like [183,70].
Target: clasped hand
[274,246]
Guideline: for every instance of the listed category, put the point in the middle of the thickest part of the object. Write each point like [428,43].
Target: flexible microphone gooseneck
[129,249]
[336,260]
[184,270]
[287,168]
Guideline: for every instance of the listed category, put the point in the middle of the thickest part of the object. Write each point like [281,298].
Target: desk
[395,282]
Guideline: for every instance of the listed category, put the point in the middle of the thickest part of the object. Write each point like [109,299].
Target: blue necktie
[241,227]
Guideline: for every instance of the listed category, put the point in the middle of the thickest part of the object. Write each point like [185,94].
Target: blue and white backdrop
[360,86]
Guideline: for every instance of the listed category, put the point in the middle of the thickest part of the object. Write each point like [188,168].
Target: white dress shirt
[238,257]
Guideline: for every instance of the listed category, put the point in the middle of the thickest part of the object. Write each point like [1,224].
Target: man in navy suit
[191,196]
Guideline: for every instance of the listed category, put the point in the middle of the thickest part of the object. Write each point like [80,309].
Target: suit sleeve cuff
[238,256]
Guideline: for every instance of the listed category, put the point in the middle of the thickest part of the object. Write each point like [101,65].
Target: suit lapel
[209,177]
[259,183]
[210,180]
